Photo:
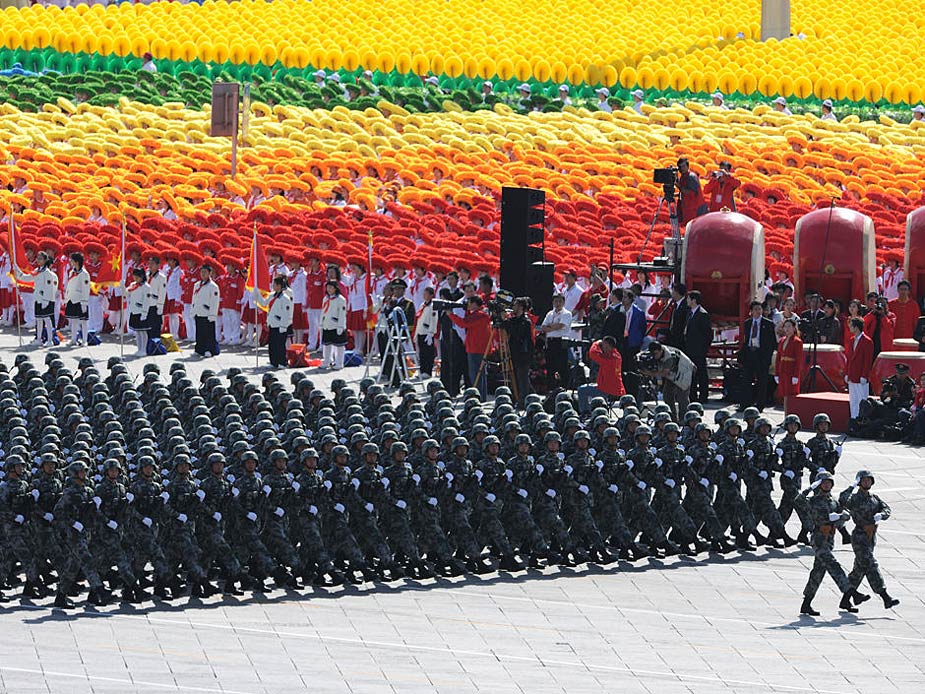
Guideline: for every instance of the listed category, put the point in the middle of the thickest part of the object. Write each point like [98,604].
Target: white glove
[777,379]
[165,496]
[712,446]
[327,484]
[814,484]
[35,494]
[509,474]
[231,478]
[491,497]
[523,493]
[779,451]
[834,517]
[838,450]
[820,469]
[416,477]
[296,486]
[252,517]
[583,488]
[567,469]
[217,517]
[401,504]
[621,452]
[479,474]
[740,441]
[790,474]
[112,524]
[540,469]
[147,521]
[749,454]
[78,526]
[182,518]
[794,380]
[592,452]
[630,464]
[734,477]
[863,380]
[670,483]
[48,517]
[720,457]
[652,450]
[460,498]
[235,491]
[385,482]
[599,464]
[613,489]
[440,465]
[19,519]
[659,462]
[432,501]
[429,339]
[450,477]
[688,459]
[369,507]
[806,451]
[355,482]
[878,517]
[551,493]
[313,510]
[279,512]
[705,482]
[266,489]
[201,494]
[641,484]
[763,474]
[560,455]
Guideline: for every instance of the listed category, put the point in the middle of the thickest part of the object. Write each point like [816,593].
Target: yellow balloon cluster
[841,50]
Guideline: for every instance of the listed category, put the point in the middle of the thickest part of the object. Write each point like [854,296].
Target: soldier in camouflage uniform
[794,457]
[426,517]
[342,498]
[248,511]
[74,519]
[364,522]
[823,457]
[698,500]
[640,463]
[491,494]
[749,416]
[49,488]
[517,514]
[181,514]
[689,430]
[213,521]
[548,484]
[280,503]
[310,505]
[401,494]
[16,537]
[584,478]
[456,502]
[146,498]
[608,499]
[109,542]
[759,483]
[732,466]
[825,513]
[667,479]
[867,511]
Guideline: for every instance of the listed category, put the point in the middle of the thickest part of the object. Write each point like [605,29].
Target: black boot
[231,587]
[3,597]
[671,549]
[63,602]
[32,590]
[807,608]
[788,541]
[130,594]
[742,542]
[98,597]
[161,591]
[845,536]
[888,602]
[845,603]
[860,597]
[510,562]
[803,537]
[759,538]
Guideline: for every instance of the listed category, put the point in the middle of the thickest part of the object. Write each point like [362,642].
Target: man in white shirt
[205,312]
[557,327]
[572,293]
[157,295]
[719,101]
[602,105]
[638,100]
[827,111]
[780,105]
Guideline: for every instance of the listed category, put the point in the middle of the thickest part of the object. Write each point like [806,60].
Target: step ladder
[400,359]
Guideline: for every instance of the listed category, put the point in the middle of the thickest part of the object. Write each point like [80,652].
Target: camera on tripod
[499,306]
[665,177]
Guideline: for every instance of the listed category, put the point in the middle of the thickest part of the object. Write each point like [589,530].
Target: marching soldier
[794,457]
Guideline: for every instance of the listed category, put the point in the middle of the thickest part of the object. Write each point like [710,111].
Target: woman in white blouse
[138,304]
[77,299]
[44,294]
[279,319]
[333,327]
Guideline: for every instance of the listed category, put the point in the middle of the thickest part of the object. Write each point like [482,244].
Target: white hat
[334,77]
[780,100]
[718,95]
[827,103]
[563,87]
[488,83]
[432,80]
[638,94]
[603,91]
[368,74]
[919,109]
[319,73]
[524,88]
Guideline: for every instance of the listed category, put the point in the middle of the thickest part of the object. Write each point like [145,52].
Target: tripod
[809,383]
[504,359]
[667,198]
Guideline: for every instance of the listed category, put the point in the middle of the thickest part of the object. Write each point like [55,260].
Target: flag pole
[14,268]
[257,330]
[122,319]
[369,303]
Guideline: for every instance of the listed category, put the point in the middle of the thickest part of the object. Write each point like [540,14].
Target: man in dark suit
[679,315]
[758,342]
[698,336]
[615,319]
[809,319]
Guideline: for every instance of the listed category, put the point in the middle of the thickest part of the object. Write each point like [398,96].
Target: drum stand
[808,385]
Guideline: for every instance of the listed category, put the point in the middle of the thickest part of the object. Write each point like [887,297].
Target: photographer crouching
[519,331]
[676,371]
[609,383]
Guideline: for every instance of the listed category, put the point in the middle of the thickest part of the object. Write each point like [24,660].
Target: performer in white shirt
[157,295]
[298,284]
[571,293]
[44,294]
[206,302]
[892,276]
[557,327]
[419,282]
[173,293]
[279,319]
[77,299]
[425,330]
[7,293]
[139,303]
[333,327]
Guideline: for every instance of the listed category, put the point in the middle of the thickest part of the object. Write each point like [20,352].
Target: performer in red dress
[787,366]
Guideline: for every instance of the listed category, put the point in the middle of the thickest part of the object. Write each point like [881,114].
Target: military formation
[164,488]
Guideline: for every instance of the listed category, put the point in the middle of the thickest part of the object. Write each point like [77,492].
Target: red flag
[258,270]
[18,258]
[110,274]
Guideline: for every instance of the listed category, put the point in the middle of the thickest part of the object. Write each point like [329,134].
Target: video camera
[648,362]
[665,177]
[443,305]
[500,305]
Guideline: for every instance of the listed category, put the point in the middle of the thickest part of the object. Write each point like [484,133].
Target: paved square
[708,624]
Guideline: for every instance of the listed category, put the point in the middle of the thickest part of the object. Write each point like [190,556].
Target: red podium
[835,405]
[885,365]
[914,269]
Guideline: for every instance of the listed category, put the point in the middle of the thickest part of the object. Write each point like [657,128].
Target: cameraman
[878,323]
[520,342]
[452,349]
[692,202]
[477,324]
[720,188]
[676,372]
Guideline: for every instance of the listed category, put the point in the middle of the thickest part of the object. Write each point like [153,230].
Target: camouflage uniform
[491,494]
[312,504]
[729,470]
[822,510]
[426,516]
[109,541]
[608,498]
[759,484]
[823,455]
[181,513]
[74,519]
[698,501]
[280,503]
[342,496]
[212,523]
[145,510]
[364,520]
[457,500]
[248,512]
[867,510]
[16,536]
[667,480]
[47,547]
[578,498]
[793,457]
[548,484]
[401,496]
[517,513]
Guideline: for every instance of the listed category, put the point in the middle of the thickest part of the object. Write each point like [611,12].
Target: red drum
[834,253]
[834,363]
[905,344]
[914,269]
[724,258]
[885,365]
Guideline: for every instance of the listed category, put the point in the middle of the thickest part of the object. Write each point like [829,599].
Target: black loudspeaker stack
[524,271]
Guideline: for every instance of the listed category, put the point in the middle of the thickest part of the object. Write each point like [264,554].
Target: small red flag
[110,274]
[258,270]
[18,257]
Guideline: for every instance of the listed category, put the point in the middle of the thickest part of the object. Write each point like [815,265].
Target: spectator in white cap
[563,95]
[602,105]
[524,102]
[488,89]
[918,113]
[780,105]
[638,97]
[320,76]
[719,101]
[827,111]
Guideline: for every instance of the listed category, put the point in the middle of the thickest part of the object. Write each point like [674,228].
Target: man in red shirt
[906,310]
[860,351]
[477,325]
[879,323]
[609,384]
[720,188]
[692,202]
[316,276]
[231,290]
